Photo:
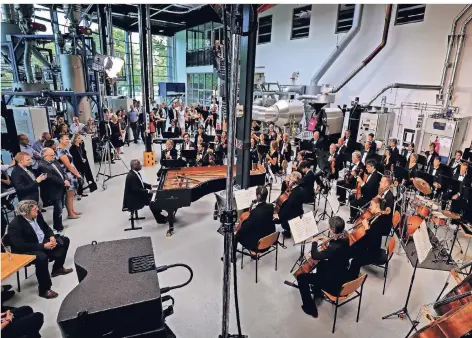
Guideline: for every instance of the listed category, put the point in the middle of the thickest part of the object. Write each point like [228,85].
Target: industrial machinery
[378,123]
[31,121]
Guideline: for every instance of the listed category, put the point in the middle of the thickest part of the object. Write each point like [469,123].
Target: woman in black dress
[218,150]
[387,162]
[116,138]
[79,157]
[272,158]
[254,154]
[412,167]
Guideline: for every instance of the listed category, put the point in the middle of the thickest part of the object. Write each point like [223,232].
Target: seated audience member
[293,206]
[29,234]
[76,126]
[80,160]
[21,322]
[50,144]
[138,193]
[173,128]
[39,144]
[332,270]
[25,147]
[259,224]
[91,129]
[24,181]
[54,187]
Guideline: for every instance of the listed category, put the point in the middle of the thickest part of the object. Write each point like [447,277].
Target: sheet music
[244,198]
[422,242]
[303,228]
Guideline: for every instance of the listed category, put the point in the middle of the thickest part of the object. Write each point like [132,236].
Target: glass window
[217,34]
[208,81]
[301,22]
[409,14]
[265,29]
[345,18]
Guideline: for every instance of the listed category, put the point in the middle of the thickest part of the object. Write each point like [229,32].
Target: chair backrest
[267,241]
[352,286]
[392,243]
[396,219]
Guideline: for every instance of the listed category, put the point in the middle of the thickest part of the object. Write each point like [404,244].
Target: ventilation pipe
[27,61]
[460,44]
[282,113]
[314,88]
[402,86]
[377,50]
[449,49]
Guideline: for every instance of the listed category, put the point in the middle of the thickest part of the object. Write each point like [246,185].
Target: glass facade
[200,86]
[199,46]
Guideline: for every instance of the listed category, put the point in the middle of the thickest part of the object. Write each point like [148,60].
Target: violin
[333,166]
[359,185]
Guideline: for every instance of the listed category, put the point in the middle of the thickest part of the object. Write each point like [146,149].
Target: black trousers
[362,258]
[161,127]
[307,281]
[58,254]
[57,214]
[25,324]
[156,211]
[134,128]
[341,187]
[356,203]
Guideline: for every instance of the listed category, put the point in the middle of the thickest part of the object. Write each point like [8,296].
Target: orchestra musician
[387,160]
[255,126]
[373,144]
[331,271]
[259,224]
[317,142]
[387,197]
[341,147]
[367,152]
[459,198]
[170,153]
[218,150]
[369,189]
[200,132]
[187,145]
[436,170]
[367,250]
[173,128]
[349,141]
[408,151]
[328,172]
[431,154]
[272,158]
[455,163]
[394,153]
[468,153]
[293,206]
[308,181]
[300,158]
[412,168]
[138,193]
[253,151]
[285,149]
[349,181]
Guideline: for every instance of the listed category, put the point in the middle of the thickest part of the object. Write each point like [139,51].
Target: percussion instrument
[423,211]
[422,186]
[438,218]
[412,224]
[451,214]
[461,288]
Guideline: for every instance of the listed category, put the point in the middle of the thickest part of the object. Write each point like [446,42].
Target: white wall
[414,54]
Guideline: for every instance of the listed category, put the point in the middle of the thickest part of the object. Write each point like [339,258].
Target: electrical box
[379,124]
[31,121]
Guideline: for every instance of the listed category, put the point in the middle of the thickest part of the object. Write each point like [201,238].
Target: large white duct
[282,113]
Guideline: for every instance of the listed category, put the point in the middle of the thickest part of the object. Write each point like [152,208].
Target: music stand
[178,163]
[262,149]
[168,134]
[190,155]
[208,138]
[400,173]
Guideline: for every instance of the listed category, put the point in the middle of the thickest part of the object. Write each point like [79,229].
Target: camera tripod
[104,169]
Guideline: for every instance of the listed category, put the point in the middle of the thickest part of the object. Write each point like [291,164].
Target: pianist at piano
[138,193]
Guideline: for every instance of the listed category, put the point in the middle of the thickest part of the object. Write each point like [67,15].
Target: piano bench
[133,217]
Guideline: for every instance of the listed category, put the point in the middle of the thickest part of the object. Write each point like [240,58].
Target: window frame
[292,37]
[398,9]
[265,34]
[336,28]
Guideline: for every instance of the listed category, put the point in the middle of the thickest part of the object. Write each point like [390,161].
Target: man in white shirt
[25,147]
[76,127]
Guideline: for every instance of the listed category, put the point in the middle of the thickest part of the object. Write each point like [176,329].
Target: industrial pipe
[460,44]
[356,25]
[40,57]
[449,49]
[403,86]
[366,61]
[282,113]
[27,61]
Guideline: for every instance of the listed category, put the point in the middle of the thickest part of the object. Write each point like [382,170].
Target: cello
[282,199]
[244,216]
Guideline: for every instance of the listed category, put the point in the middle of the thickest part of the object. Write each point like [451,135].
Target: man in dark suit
[369,189]
[173,128]
[259,224]
[29,234]
[431,154]
[285,148]
[468,153]
[455,162]
[349,181]
[373,145]
[408,151]
[293,206]
[349,141]
[368,152]
[317,142]
[170,111]
[436,171]
[53,188]
[394,153]
[308,181]
[459,198]
[170,153]
[23,180]
[388,199]
[331,271]
[138,193]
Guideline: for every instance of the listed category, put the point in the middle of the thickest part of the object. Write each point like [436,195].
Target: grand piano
[179,187]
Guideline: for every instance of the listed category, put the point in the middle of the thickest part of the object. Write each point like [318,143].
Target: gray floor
[268,309]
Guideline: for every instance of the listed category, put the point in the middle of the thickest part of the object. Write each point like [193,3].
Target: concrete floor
[268,309]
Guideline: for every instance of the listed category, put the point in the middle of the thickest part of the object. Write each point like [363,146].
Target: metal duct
[460,44]
[73,14]
[8,13]
[282,113]
[366,61]
[449,49]
[356,25]
[40,57]
[27,61]
[403,86]
[73,79]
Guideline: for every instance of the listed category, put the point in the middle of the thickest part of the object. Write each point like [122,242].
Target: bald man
[53,187]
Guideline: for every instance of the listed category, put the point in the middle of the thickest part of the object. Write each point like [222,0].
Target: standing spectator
[152,123]
[76,126]
[21,322]
[39,144]
[53,188]
[24,181]
[27,148]
[133,120]
[62,129]
[65,159]
[169,112]
[122,121]
[90,127]
[79,157]
[30,234]
[116,138]
[162,118]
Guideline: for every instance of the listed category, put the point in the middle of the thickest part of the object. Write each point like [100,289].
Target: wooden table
[9,267]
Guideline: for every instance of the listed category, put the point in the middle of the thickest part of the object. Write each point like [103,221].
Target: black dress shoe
[49,294]
[6,295]
[61,271]
[6,287]
[310,311]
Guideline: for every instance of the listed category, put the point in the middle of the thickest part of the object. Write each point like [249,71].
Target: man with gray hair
[30,234]
[138,193]
[53,188]
[349,181]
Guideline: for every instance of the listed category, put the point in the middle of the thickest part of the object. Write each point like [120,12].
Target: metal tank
[72,75]
[282,113]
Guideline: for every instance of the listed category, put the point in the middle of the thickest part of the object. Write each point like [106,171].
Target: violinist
[368,188]
[335,163]
[367,250]
[293,206]
[170,153]
[331,271]
[259,224]
[349,181]
[272,158]
[407,152]
[431,155]
[308,181]
[328,172]
[300,158]
[285,149]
